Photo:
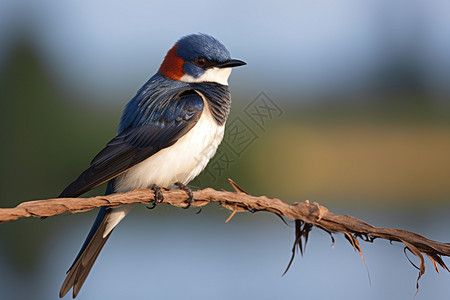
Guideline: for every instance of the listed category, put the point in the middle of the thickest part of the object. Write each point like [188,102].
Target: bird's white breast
[180,162]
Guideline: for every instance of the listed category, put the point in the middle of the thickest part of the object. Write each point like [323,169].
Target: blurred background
[346,103]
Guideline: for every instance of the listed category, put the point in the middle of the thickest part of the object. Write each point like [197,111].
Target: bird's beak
[231,63]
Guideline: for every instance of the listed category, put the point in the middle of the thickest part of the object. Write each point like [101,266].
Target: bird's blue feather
[202,45]
[150,102]
[152,121]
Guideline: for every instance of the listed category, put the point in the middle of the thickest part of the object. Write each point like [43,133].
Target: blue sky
[304,47]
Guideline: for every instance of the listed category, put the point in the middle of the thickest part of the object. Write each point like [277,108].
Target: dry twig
[305,214]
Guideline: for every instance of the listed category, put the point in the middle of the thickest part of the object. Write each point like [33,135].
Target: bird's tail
[104,224]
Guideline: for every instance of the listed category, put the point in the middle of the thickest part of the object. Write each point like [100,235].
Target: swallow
[167,134]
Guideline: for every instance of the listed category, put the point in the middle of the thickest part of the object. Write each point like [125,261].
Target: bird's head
[198,58]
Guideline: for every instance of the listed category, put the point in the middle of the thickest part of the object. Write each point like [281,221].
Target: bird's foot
[188,191]
[159,198]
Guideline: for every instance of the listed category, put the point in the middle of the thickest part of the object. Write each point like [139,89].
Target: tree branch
[305,214]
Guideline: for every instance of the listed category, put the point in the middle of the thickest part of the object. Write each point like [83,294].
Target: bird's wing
[134,145]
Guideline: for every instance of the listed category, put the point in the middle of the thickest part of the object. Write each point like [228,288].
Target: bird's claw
[159,197]
[189,193]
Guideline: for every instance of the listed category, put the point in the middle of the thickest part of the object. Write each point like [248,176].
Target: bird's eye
[200,61]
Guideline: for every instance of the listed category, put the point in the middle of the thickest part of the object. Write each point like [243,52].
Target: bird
[166,135]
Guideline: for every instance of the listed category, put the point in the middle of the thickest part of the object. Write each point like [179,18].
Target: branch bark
[306,216]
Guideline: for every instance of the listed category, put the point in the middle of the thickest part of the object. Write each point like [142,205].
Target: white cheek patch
[218,75]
